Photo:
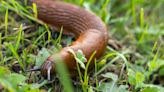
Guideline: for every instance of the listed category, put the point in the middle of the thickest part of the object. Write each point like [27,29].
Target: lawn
[132,62]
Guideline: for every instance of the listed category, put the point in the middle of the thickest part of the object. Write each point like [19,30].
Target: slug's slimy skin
[90,31]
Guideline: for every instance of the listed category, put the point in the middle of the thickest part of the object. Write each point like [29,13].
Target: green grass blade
[143,34]
[63,75]
[1,55]
[36,41]
[19,37]
[87,65]
[58,40]
[81,2]
[6,22]
[133,12]
[86,77]
[13,50]
[105,4]
[141,18]
[49,33]
[35,10]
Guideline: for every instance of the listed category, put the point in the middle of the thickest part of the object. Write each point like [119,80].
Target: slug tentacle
[90,31]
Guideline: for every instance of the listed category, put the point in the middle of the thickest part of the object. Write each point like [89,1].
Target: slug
[89,29]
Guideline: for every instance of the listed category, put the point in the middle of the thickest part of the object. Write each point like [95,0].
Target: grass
[138,66]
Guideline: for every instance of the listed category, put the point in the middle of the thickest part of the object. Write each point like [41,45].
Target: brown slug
[90,31]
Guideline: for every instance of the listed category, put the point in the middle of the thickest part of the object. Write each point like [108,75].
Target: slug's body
[90,31]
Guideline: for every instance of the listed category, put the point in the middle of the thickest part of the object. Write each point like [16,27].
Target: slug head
[48,69]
